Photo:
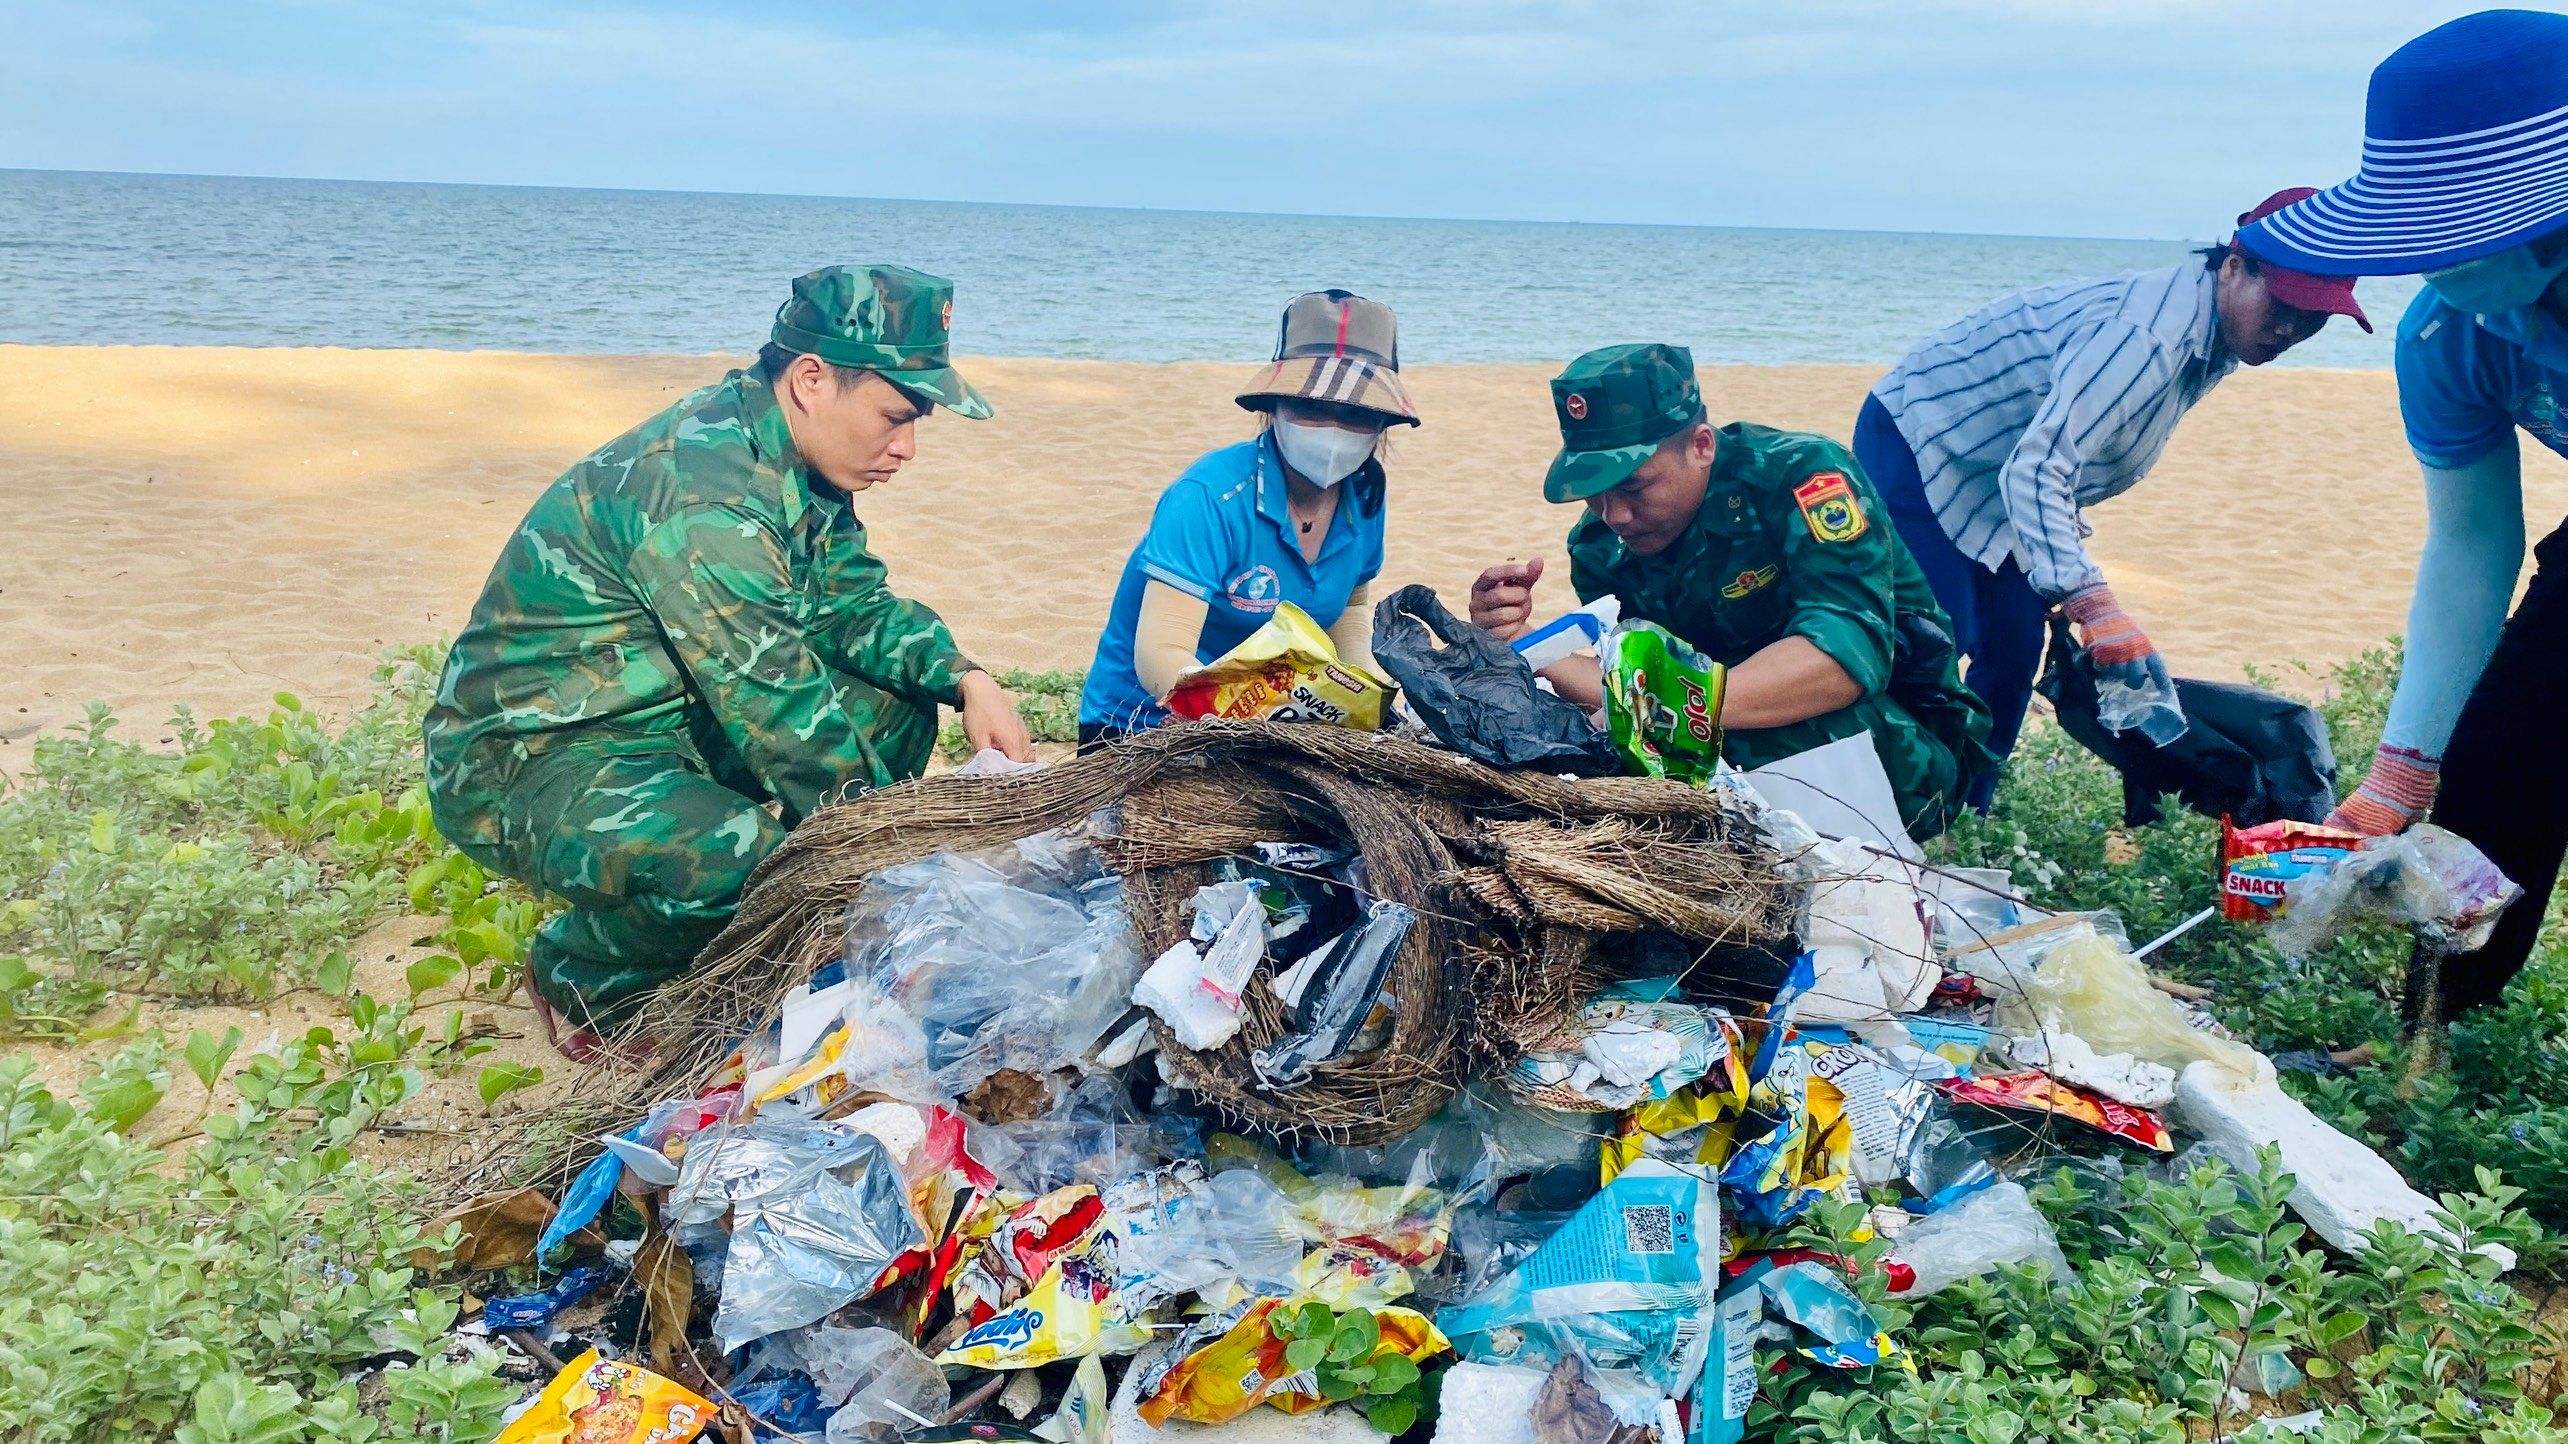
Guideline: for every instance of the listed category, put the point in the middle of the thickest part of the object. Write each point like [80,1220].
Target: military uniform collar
[772,441]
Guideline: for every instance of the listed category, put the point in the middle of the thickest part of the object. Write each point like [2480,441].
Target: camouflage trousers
[651,851]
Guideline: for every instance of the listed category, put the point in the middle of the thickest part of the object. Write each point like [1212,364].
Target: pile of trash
[1259,1076]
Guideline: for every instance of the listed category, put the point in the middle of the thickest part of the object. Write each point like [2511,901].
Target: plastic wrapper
[2427,878]
[2090,987]
[1025,1243]
[1086,1408]
[1344,988]
[1865,923]
[1729,1386]
[1478,695]
[537,1310]
[1285,671]
[1020,958]
[1197,986]
[1845,1333]
[1973,1235]
[1794,1141]
[1072,1311]
[861,1374]
[1231,1361]
[2149,707]
[2041,1093]
[1626,1282]
[1626,1046]
[1185,1233]
[819,1214]
[782,1408]
[2258,865]
[1662,703]
[596,1400]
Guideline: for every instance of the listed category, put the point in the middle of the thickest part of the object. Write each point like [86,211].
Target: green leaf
[2222,1308]
[1393,1373]
[1304,1354]
[1393,1415]
[2338,1328]
[501,1079]
[2234,1261]
[1356,1335]
[1316,1321]
[121,1102]
[102,832]
[1337,1390]
[206,1054]
[432,972]
[337,971]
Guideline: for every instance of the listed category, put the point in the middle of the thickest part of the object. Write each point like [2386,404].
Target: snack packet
[2031,1092]
[1230,1362]
[1071,1312]
[1287,671]
[2257,864]
[1662,702]
[596,1400]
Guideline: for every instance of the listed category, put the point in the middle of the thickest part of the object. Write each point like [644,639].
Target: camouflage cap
[886,319]
[1616,404]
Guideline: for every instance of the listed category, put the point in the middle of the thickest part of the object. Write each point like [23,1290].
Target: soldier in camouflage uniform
[1764,550]
[687,628]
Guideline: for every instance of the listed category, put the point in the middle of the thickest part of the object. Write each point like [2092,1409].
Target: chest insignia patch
[1256,589]
[1827,503]
[1747,581]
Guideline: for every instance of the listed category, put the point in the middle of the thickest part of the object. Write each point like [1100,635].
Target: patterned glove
[2396,792]
[2114,642]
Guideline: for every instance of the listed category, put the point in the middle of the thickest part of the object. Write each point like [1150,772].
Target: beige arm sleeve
[1353,633]
[1164,636]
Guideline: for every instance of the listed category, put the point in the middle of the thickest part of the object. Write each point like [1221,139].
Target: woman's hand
[990,719]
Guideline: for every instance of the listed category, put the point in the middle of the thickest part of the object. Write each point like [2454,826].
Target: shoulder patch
[1828,504]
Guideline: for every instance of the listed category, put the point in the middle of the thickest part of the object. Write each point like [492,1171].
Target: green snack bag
[1662,702]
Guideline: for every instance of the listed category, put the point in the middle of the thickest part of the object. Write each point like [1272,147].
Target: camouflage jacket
[688,585]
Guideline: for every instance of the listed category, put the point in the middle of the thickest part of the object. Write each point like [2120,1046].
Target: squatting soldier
[687,628]
[1766,551]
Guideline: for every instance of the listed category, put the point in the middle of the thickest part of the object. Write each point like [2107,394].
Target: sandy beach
[210,525]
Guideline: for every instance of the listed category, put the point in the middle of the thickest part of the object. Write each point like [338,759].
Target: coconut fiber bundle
[1528,888]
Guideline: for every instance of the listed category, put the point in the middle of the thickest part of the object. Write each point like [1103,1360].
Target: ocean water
[203,260]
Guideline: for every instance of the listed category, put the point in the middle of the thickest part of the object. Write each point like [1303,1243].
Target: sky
[2138,118]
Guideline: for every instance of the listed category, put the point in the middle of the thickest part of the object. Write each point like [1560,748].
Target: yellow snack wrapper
[1287,671]
[601,1401]
[1245,1367]
[1071,1312]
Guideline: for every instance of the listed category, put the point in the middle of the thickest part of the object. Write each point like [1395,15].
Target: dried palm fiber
[1515,877]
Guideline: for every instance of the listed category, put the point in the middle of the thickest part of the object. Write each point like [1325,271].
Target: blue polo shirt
[2466,382]
[1223,535]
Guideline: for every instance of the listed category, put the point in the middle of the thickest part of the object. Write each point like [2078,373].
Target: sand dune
[210,525]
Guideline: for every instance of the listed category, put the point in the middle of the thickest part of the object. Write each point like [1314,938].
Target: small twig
[534,1347]
[988,1390]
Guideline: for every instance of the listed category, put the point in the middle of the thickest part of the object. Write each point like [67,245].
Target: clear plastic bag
[2149,707]
[2428,878]
[1346,982]
[1233,1225]
[817,1213]
[865,1373]
[1018,958]
[1974,1234]
[2091,987]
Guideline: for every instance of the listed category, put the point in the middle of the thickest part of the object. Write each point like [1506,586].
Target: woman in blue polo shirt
[2465,178]
[1293,514]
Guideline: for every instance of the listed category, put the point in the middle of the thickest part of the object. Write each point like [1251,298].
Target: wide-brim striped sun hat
[2465,154]
[1338,347]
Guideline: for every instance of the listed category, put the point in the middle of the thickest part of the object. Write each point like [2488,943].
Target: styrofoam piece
[1488,1404]
[901,1128]
[1260,1425]
[2344,1187]
[2118,1076]
[1866,931]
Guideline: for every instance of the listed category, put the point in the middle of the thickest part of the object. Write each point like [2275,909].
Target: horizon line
[1067,206]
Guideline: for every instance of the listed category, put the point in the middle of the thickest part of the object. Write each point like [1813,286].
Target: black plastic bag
[2246,754]
[1477,695]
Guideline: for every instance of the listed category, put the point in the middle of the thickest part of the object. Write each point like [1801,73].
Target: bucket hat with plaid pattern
[1335,346]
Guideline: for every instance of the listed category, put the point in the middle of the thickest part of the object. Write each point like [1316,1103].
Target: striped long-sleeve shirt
[2049,401]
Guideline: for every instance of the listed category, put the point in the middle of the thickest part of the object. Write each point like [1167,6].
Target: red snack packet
[2034,1092]
[2258,863]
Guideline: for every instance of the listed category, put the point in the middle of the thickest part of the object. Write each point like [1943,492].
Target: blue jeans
[1998,619]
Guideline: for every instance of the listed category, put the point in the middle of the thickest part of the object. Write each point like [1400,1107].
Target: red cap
[2328,295]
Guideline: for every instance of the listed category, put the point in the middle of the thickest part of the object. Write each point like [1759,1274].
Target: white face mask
[1324,455]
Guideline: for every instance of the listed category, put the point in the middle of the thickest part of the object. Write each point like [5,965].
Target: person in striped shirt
[1990,438]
